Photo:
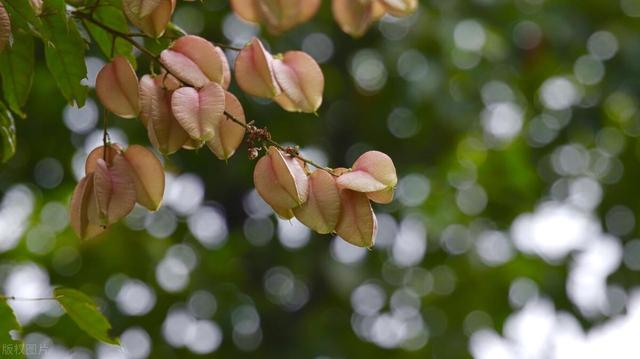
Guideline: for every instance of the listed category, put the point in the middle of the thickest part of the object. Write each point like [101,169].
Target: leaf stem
[105,134]
[11,297]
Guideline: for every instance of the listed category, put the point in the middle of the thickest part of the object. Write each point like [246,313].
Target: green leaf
[16,69]
[84,312]
[64,52]
[9,348]
[110,13]
[7,135]
[23,16]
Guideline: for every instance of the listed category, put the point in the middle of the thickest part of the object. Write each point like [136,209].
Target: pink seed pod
[167,81]
[5,27]
[277,15]
[198,111]
[97,153]
[228,134]
[148,176]
[114,190]
[150,16]
[372,173]
[141,8]
[322,209]
[282,15]
[355,16]
[83,201]
[196,62]
[254,71]
[165,133]
[400,8]
[301,82]
[117,88]
[246,10]
[281,181]
[357,223]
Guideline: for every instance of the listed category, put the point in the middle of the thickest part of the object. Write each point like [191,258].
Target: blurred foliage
[444,133]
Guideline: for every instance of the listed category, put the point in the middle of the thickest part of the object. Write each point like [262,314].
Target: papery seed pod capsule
[153,22]
[400,8]
[246,10]
[301,82]
[196,61]
[254,71]
[281,181]
[372,173]
[165,133]
[148,176]
[198,111]
[357,223]
[167,81]
[83,200]
[276,15]
[355,16]
[117,88]
[5,27]
[115,191]
[97,153]
[228,134]
[141,8]
[322,209]
[282,15]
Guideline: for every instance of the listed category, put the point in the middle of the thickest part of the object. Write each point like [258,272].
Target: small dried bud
[253,153]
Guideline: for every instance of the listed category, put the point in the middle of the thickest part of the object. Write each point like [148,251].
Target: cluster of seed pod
[353,16]
[188,105]
[114,181]
[328,201]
